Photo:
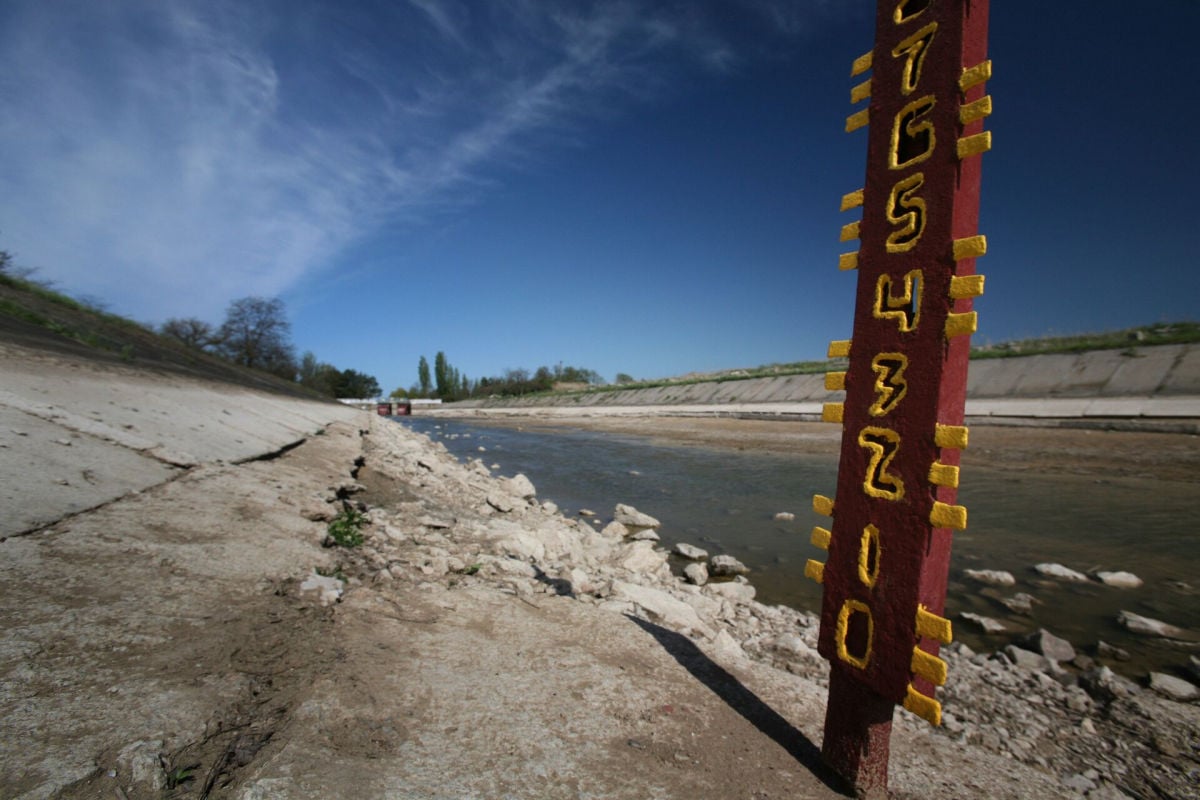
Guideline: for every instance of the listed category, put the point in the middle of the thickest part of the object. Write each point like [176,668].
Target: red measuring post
[894,512]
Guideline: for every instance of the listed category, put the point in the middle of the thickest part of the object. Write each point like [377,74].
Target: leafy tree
[352,383]
[399,393]
[441,375]
[256,334]
[423,376]
[192,332]
[623,377]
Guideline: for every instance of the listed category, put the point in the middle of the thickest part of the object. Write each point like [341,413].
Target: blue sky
[641,187]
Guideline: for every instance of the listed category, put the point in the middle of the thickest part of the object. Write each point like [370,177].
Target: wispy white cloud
[168,156]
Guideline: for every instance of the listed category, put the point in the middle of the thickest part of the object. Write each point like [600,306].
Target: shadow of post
[744,702]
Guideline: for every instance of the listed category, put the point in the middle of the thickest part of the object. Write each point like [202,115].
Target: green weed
[346,528]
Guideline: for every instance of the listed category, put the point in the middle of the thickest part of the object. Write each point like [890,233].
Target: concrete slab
[1141,371]
[1044,375]
[47,471]
[1185,377]
[992,377]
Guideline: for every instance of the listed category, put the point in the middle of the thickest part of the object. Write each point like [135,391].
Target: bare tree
[256,334]
[191,331]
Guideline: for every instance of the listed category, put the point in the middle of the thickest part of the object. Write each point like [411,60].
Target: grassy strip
[1143,336]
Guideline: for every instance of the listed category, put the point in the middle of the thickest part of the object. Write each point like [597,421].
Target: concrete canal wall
[1159,382]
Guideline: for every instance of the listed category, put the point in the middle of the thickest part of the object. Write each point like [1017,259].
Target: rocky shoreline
[203,634]
[1098,735]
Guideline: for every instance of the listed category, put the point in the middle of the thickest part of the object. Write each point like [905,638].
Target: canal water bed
[726,500]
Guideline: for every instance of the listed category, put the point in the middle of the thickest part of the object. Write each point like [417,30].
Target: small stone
[1109,651]
[1083,662]
[696,573]
[795,645]
[736,591]
[1078,783]
[586,512]
[1087,726]
[991,577]
[1020,603]
[1150,627]
[1105,684]
[326,589]
[615,530]
[724,565]
[632,518]
[1062,573]
[785,516]
[1120,580]
[1174,688]
[988,624]
[316,510]
[1049,645]
[690,551]
[500,502]
[1026,659]
[1165,744]
[645,535]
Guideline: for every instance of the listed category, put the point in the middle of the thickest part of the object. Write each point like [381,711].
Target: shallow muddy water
[725,500]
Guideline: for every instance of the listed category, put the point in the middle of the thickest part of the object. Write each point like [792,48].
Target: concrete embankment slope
[1139,383]
[77,435]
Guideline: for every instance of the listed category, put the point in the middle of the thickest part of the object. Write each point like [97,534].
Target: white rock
[696,573]
[785,516]
[1027,659]
[793,644]
[662,607]
[549,506]
[614,530]
[991,577]
[640,557]
[726,565]
[327,589]
[1119,580]
[690,551]
[523,544]
[1150,627]
[726,649]
[1020,603]
[988,624]
[645,535]
[631,517]
[735,591]
[501,502]
[1062,573]
[1172,687]
[520,486]
[138,763]
[1049,645]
